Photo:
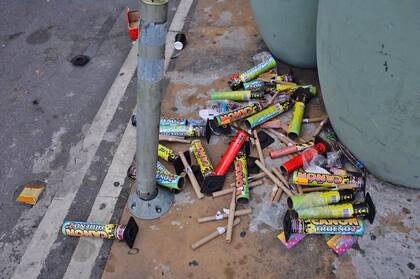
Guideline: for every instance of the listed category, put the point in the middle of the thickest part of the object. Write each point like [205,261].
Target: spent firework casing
[290,149]
[319,199]
[245,95]
[241,179]
[257,70]
[266,114]
[183,131]
[203,161]
[295,125]
[166,153]
[327,180]
[240,113]
[106,231]
[254,85]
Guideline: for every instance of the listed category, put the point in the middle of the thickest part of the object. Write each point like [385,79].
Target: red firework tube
[230,154]
[307,155]
[290,149]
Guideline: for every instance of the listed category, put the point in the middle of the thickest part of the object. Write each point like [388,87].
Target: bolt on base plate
[151,209]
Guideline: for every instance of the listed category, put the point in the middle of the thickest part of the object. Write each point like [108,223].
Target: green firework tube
[326,180]
[167,179]
[183,131]
[365,209]
[203,161]
[319,199]
[234,115]
[244,95]
[126,233]
[253,73]
[292,225]
[266,114]
[295,125]
[241,179]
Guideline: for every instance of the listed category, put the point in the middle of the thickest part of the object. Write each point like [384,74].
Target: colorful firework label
[266,114]
[341,243]
[165,121]
[241,179]
[258,70]
[254,85]
[79,229]
[167,179]
[326,180]
[237,114]
[328,226]
[183,131]
[166,153]
[203,161]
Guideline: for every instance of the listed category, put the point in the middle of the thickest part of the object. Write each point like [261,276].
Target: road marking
[44,237]
[87,250]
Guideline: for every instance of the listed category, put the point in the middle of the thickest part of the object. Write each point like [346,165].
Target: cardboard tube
[191,176]
[231,217]
[225,192]
[313,120]
[213,235]
[173,139]
[238,213]
[257,143]
[339,187]
[273,178]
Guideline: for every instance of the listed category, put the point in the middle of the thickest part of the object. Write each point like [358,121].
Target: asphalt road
[47,104]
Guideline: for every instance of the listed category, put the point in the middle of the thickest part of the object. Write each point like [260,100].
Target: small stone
[193,263]
[242,234]
[411,266]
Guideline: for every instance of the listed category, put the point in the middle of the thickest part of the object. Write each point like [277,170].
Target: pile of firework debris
[323,181]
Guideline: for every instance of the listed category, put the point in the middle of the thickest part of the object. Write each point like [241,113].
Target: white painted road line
[87,250]
[44,237]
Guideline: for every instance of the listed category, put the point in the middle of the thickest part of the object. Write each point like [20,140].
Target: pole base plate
[151,209]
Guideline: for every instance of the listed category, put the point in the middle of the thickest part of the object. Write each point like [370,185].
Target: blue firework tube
[167,179]
[266,114]
[352,226]
[183,131]
[254,85]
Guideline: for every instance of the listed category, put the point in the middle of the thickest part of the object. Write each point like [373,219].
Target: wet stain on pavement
[39,36]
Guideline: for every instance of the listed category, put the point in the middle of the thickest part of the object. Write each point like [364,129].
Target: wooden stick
[191,176]
[313,120]
[334,188]
[173,139]
[280,176]
[251,178]
[299,188]
[224,216]
[231,217]
[278,195]
[274,192]
[273,178]
[225,192]
[282,137]
[213,235]
[257,143]
[321,125]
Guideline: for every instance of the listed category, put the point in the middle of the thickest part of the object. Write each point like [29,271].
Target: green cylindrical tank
[368,64]
[288,29]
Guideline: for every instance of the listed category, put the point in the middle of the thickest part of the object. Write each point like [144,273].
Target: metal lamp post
[148,201]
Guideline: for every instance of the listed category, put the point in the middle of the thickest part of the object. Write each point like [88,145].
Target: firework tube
[364,209]
[245,95]
[183,131]
[326,180]
[307,155]
[301,96]
[210,182]
[241,178]
[322,226]
[255,85]
[290,149]
[266,114]
[166,121]
[341,243]
[126,233]
[252,73]
[169,155]
[167,179]
[319,199]
[234,115]
[164,177]
[234,147]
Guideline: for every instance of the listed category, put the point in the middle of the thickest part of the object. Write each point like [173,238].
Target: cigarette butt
[191,176]
[173,139]
[273,178]
[238,213]
[225,192]
[219,231]
[231,217]
[257,143]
